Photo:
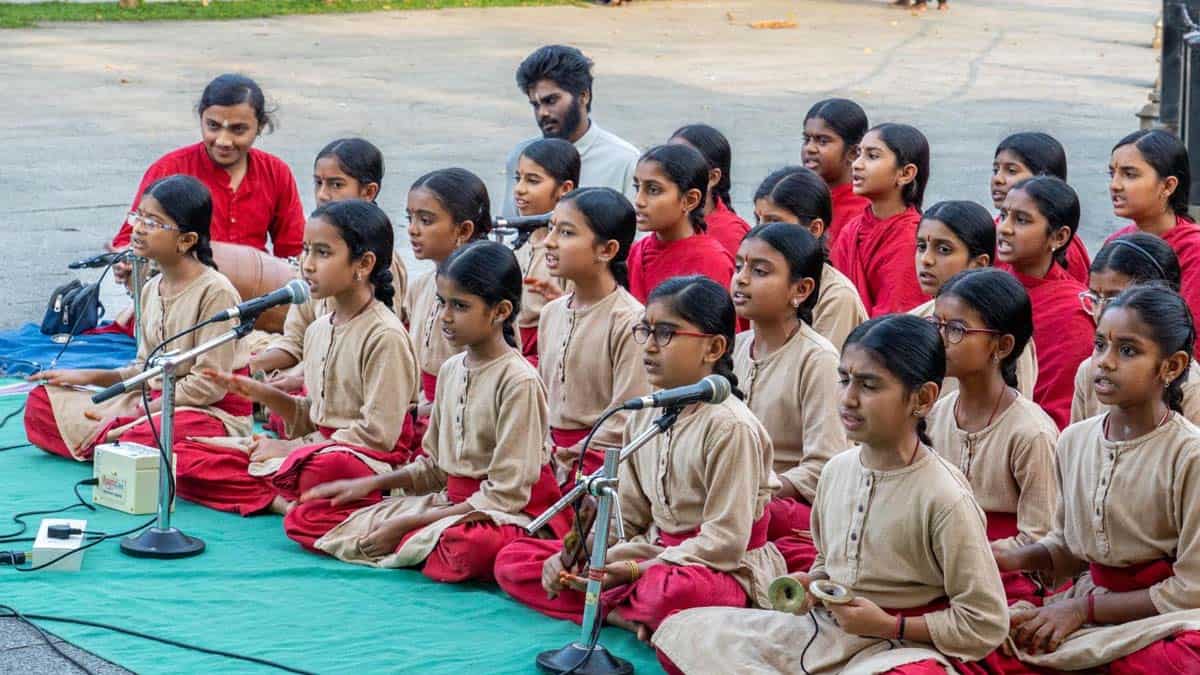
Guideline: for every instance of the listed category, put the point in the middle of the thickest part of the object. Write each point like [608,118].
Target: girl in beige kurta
[446,209]
[588,359]
[547,169]
[1001,441]
[346,168]
[485,473]
[170,226]
[359,372]
[1127,519]
[795,194]
[894,523]
[1124,261]
[788,371]
[693,500]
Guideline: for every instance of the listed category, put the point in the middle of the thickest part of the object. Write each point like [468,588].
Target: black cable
[155,638]
[11,415]
[14,447]
[20,517]
[13,613]
[812,614]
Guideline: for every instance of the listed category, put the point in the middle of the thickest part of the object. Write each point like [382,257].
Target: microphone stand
[139,282]
[163,540]
[587,656]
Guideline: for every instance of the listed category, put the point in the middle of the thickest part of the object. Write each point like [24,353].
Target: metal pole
[599,547]
[139,282]
[166,435]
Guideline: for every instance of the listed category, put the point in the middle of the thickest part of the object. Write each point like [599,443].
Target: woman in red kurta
[672,184]
[833,128]
[1150,181]
[876,249]
[1040,216]
[1027,154]
[724,224]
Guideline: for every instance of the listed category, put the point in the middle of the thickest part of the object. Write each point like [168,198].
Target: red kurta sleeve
[287,222]
[877,255]
[636,265]
[1062,337]
[1079,263]
[846,207]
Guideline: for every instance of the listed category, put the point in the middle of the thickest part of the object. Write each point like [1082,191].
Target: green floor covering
[255,592]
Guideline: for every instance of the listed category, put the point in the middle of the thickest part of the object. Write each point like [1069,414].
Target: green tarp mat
[255,592]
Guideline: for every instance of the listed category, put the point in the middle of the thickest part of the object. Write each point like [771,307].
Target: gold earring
[795,303]
[357,276]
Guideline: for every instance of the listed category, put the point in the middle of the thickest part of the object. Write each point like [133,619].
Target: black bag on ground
[73,308]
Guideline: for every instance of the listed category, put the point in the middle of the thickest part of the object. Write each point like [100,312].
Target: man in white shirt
[558,81]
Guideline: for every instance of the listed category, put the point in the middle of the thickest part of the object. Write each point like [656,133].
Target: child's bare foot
[281,506]
[639,629]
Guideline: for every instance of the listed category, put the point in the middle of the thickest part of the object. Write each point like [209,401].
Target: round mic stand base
[159,543]
[577,658]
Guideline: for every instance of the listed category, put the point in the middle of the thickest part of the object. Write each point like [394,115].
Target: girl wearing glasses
[789,373]
[1027,154]
[1126,527]
[1039,219]
[895,525]
[693,500]
[1150,176]
[955,236]
[795,194]
[1124,261]
[170,226]
[588,359]
[485,473]
[1001,441]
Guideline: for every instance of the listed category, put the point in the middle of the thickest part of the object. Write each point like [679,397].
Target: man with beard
[558,81]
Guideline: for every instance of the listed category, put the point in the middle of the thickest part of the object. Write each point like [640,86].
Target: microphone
[294,293]
[522,223]
[102,260]
[712,389]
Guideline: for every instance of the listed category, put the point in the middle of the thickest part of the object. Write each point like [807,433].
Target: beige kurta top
[291,341]
[839,309]
[1027,366]
[712,471]
[532,259]
[1010,463]
[1124,503]
[1085,404]
[163,316]
[901,538]
[794,392]
[488,423]
[424,313]
[589,362]
[360,377]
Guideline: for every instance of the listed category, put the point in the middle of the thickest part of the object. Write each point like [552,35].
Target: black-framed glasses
[954,332]
[663,333]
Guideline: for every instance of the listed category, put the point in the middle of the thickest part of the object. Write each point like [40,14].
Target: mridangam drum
[254,273]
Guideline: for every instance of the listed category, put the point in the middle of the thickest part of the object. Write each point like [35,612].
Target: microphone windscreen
[721,388]
[300,292]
